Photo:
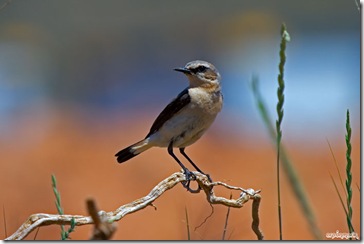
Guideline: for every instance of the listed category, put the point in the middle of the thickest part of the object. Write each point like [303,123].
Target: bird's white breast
[189,124]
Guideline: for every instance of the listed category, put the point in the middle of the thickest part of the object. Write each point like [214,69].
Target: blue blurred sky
[113,58]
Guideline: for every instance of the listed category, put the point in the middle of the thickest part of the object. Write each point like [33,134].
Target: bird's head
[201,73]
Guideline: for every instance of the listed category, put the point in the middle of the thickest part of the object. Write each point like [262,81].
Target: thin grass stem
[348,173]
[288,167]
[337,168]
[280,93]
[187,225]
[338,193]
[6,234]
[226,220]
[36,234]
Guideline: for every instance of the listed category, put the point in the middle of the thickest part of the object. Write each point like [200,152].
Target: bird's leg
[189,175]
[182,151]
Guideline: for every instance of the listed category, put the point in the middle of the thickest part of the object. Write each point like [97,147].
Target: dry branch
[255,215]
[41,219]
[103,229]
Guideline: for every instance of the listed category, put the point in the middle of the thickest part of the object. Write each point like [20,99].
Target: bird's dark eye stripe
[199,69]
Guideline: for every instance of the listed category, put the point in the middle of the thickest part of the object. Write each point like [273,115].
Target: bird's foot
[186,184]
[208,177]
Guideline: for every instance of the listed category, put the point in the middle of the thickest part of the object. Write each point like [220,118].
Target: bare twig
[209,216]
[42,219]
[255,215]
[103,230]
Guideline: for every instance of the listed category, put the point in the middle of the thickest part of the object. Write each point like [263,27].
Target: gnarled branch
[41,219]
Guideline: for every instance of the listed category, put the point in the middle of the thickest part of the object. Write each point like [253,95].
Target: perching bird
[186,118]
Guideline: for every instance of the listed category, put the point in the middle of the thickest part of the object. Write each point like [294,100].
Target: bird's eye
[199,69]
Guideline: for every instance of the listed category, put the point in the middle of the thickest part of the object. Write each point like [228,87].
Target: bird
[186,118]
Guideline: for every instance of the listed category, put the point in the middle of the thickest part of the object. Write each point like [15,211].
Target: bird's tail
[133,150]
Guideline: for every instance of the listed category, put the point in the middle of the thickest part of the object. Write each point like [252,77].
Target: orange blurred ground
[82,158]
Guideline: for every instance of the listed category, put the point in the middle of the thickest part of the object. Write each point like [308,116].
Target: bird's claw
[186,184]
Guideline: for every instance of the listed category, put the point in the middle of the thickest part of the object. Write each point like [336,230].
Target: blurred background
[80,80]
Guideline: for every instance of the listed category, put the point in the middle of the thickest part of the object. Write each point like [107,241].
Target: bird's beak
[183,70]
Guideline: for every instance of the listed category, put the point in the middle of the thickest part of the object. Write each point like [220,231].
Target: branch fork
[42,219]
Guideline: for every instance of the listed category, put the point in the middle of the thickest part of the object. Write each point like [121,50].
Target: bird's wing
[172,108]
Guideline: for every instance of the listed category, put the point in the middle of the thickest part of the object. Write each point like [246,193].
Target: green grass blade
[348,173]
[341,201]
[57,195]
[280,94]
[64,234]
[287,165]
[262,108]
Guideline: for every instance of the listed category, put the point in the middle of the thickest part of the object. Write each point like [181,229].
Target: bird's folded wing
[168,112]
